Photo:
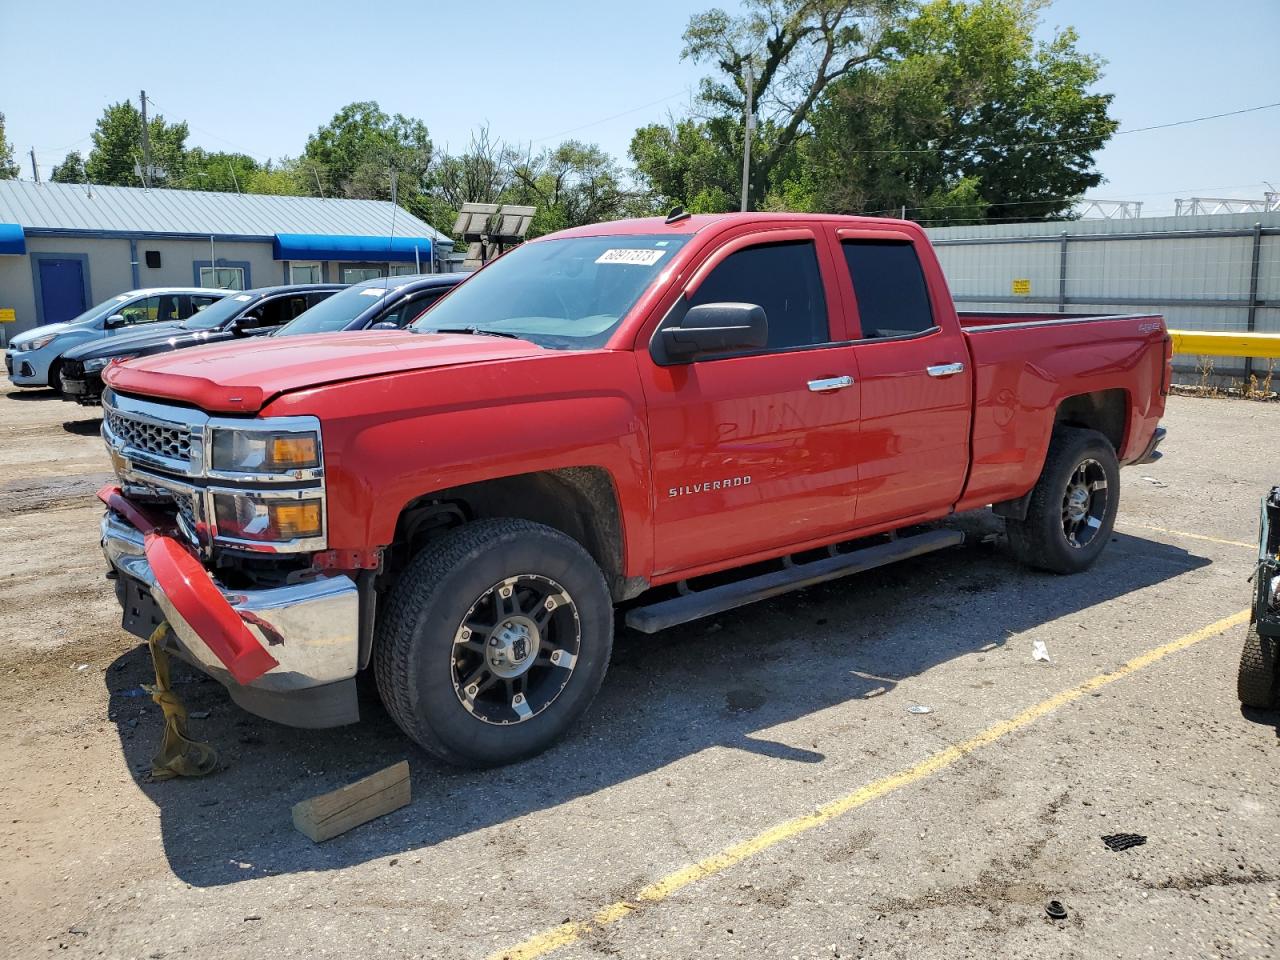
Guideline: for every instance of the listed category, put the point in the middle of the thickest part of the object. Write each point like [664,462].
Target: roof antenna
[677,214]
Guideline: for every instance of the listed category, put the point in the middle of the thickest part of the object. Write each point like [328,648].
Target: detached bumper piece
[287,653]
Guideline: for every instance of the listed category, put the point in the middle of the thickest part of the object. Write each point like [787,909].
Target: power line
[624,113]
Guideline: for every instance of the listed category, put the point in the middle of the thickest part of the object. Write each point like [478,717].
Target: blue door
[61,289]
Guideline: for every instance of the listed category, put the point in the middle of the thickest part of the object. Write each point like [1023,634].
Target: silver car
[33,357]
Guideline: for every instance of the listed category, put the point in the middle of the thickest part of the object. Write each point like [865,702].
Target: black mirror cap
[712,328]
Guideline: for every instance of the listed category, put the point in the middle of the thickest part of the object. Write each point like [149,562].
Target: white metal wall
[1199,272]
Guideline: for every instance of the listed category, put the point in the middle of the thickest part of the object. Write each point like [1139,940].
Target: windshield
[564,294]
[218,313]
[337,311]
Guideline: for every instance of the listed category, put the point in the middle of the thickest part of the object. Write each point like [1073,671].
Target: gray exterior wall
[1219,272]
[111,271]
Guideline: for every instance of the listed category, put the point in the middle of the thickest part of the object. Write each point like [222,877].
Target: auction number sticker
[640,258]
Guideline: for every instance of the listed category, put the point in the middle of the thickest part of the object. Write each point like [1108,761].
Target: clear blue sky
[259,77]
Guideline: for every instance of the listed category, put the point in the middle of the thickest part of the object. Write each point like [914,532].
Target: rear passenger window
[893,300]
[784,279]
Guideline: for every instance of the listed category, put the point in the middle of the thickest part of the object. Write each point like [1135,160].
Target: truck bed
[981,318]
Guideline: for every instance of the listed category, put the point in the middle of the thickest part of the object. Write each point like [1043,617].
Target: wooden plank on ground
[330,814]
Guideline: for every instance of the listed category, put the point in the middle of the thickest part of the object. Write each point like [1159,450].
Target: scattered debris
[199,714]
[330,814]
[1054,910]
[83,666]
[1155,482]
[1040,652]
[135,692]
[919,708]
[253,916]
[1123,841]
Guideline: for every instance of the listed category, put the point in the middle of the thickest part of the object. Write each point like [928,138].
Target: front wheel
[494,640]
[1073,505]
[1258,681]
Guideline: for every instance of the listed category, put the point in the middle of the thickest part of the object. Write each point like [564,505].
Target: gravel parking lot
[753,786]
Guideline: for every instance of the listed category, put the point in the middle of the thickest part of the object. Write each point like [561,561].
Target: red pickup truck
[603,417]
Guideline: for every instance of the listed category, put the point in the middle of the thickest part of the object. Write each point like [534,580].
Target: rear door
[916,388]
[751,452]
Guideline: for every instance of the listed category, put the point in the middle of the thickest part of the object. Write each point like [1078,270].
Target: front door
[916,388]
[752,453]
[61,289]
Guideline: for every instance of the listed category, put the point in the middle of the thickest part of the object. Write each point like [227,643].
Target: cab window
[785,280]
[893,300]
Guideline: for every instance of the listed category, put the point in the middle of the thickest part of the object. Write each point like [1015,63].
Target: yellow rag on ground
[179,755]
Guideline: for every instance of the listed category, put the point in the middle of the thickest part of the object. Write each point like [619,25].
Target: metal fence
[1211,272]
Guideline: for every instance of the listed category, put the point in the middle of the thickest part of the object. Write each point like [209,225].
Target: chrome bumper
[315,627]
[1152,454]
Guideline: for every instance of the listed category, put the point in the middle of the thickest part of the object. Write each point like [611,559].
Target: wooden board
[330,814]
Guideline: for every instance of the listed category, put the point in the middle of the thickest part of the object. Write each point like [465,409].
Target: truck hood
[242,377]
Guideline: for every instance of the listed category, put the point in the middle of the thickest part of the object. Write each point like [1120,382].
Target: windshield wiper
[474,331]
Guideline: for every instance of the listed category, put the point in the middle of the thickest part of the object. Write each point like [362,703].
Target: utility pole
[748,128]
[146,145]
[35,171]
[234,178]
[318,187]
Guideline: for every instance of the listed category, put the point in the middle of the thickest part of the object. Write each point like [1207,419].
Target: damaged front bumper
[287,653]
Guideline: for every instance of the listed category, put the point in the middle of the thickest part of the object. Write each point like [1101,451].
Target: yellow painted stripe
[1206,343]
[1184,533]
[570,932]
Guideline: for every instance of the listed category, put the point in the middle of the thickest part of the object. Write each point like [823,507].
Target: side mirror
[115,320]
[717,328]
[237,327]
[385,325]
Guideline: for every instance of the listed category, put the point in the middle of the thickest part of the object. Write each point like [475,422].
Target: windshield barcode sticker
[642,258]
[372,292]
[243,297]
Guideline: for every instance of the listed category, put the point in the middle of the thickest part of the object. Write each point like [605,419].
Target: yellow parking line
[553,938]
[1184,533]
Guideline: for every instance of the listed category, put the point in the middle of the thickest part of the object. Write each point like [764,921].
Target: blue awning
[11,239]
[317,246]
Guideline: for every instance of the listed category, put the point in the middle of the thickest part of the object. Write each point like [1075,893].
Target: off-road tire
[1258,682]
[1040,540]
[413,645]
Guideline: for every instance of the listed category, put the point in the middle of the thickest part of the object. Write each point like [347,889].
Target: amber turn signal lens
[292,521]
[294,451]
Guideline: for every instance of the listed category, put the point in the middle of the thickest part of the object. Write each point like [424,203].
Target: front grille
[186,510]
[73,369]
[146,437]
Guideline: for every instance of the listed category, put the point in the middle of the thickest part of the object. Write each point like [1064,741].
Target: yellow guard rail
[1222,344]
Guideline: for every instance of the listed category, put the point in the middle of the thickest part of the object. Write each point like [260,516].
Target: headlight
[248,516]
[259,451]
[98,363]
[39,343]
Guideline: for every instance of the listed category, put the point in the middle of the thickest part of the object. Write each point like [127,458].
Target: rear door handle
[945,369]
[830,383]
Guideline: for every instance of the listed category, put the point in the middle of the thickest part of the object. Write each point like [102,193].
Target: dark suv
[387,302]
[250,313]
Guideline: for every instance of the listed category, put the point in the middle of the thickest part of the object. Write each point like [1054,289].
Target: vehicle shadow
[33,393]
[83,428]
[1263,718]
[709,684]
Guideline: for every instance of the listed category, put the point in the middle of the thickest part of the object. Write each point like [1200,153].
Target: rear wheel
[1258,682]
[1073,505]
[494,641]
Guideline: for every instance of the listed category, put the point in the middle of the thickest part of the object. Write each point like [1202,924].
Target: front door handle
[945,369]
[830,383]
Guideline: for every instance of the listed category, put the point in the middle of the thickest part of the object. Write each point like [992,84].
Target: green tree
[573,184]
[795,50]
[971,120]
[117,148]
[284,177]
[8,169]
[686,162]
[70,170]
[353,154]
[220,171]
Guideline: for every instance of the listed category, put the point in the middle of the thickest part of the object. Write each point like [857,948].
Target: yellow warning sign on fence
[8,315]
[1021,287]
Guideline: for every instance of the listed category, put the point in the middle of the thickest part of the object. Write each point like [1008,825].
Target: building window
[402,269]
[358,273]
[305,273]
[223,278]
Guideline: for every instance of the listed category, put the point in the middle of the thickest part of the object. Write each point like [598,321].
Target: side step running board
[704,603]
